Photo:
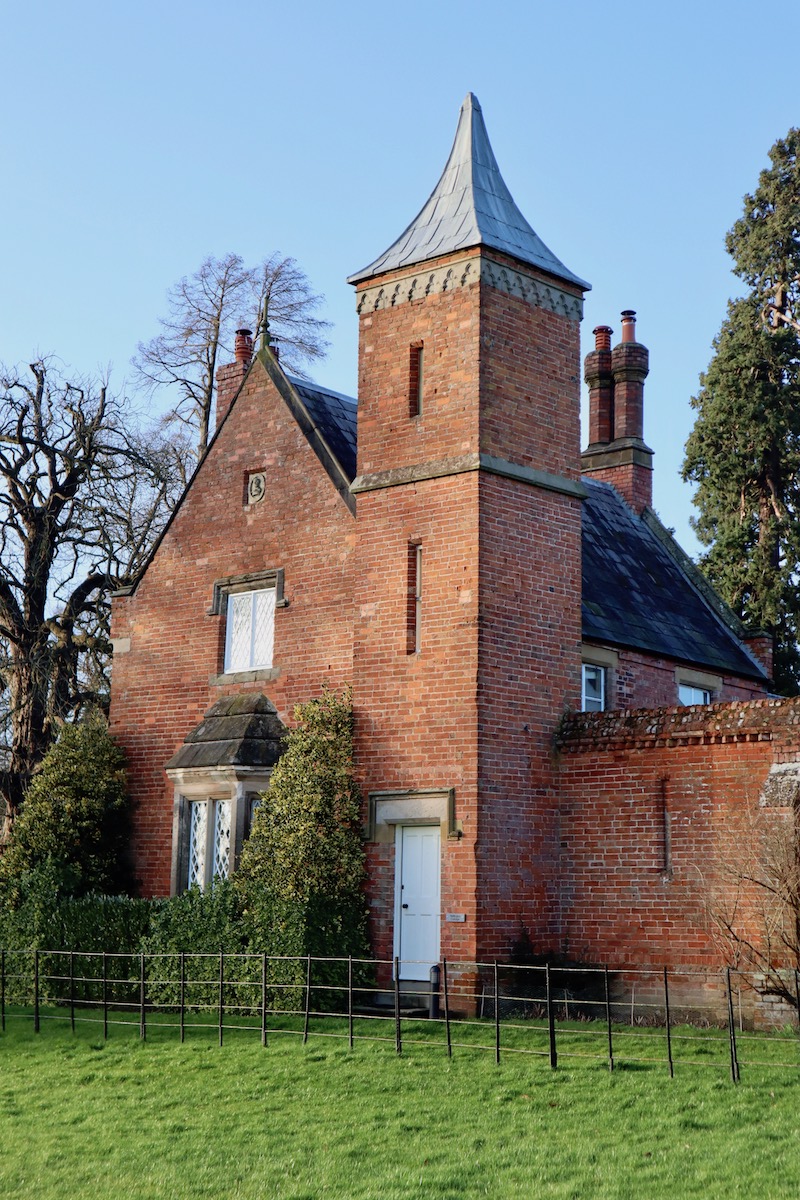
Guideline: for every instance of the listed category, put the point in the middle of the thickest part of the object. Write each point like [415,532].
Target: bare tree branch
[83,495]
[204,310]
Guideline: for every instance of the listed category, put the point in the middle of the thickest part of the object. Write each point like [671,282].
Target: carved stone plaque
[256,487]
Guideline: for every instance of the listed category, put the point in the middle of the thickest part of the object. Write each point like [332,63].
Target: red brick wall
[161,686]
[447,324]
[633,482]
[530,400]
[621,777]
[416,713]
[648,681]
[529,676]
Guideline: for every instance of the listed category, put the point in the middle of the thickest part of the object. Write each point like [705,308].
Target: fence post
[732,1030]
[3,990]
[398,1041]
[105,997]
[797,994]
[350,1000]
[608,1021]
[72,990]
[669,1028]
[308,1000]
[496,1014]
[446,1008]
[36,1022]
[142,1017]
[551,1020]
[221,994]
[264,999]
[182,995]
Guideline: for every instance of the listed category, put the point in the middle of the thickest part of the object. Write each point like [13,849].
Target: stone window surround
[273,577]
[601,656]
[235,784]
[412,806]
[698,679]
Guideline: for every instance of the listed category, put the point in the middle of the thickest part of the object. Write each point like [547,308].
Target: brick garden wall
[647,800]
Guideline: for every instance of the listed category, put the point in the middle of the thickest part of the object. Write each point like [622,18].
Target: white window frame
[589,703]
[696,687]
[260,648]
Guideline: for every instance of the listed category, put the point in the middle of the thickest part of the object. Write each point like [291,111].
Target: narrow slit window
[415,381]
[414,604]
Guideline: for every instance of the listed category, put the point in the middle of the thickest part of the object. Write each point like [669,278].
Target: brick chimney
[617,453]
[231,375]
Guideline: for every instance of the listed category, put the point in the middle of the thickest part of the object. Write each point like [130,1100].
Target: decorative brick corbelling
[423,281]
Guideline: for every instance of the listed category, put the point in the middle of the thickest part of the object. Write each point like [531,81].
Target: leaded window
[250,630]
[209,841]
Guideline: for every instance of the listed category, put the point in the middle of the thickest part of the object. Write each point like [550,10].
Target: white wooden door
[417,891]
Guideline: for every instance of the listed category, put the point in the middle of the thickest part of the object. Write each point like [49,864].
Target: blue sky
[139,138]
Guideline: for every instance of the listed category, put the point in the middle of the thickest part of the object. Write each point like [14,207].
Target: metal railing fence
[678,1018]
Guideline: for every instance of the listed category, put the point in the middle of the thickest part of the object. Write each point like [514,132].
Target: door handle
[405,906]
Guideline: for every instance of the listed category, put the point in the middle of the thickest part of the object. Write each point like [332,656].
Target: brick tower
[467,642]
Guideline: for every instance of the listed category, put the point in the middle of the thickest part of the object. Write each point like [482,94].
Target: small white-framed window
[689,694]
[209,850]
[250,630]
[593,687]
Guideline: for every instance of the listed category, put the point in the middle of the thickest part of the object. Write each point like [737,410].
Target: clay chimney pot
[243,347]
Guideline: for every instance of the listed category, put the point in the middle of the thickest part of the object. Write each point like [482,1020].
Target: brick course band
[468,462]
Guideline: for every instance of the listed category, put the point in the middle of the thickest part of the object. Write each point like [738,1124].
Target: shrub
[74,818]
[199,925]
[43,917]
[301,877]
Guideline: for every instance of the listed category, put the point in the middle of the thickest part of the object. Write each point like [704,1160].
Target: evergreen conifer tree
[744,450]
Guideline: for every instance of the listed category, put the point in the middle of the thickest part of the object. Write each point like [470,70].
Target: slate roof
[239,731]
[636,594]
[470,206]
[335,417]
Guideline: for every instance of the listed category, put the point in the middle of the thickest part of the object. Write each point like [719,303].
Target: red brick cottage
[521,633]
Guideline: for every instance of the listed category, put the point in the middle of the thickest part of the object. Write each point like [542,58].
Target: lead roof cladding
[470,206]
[635,594]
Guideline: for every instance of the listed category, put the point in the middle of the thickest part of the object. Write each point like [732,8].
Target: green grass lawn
[80,1117]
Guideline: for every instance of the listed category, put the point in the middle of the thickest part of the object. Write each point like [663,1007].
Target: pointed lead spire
[470,206]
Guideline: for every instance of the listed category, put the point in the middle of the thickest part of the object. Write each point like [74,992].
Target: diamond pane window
[222,839]
[198,838]
[250,630]
[209,841]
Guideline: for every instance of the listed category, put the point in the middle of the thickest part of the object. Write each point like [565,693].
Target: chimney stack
[597,372]
[630,363]
[229,377]
[617,453]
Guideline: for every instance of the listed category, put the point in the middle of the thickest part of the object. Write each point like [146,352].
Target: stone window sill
[263,675]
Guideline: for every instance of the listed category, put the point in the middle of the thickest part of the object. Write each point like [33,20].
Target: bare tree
[83,496]
[752,890]
[205,309]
